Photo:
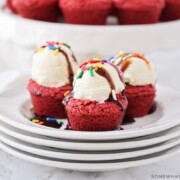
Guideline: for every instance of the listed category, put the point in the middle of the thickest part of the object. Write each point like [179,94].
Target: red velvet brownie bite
[140,77]
[90,12]
[171,10]
[45,10]
[138,11]
[97,102]
[52,74]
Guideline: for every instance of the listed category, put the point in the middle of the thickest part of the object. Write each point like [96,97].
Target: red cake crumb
[91,12]
[48,101]
[138,11]
[171,10]
[45,10]
[87,115]
[140,99]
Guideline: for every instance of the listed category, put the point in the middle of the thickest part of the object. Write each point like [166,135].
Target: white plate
[96,166]
[90,146]
[166,116]
[88,41]
[88,155]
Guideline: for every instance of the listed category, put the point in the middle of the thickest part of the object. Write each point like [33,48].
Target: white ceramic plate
[88,41]
[90,146]
[92,166]
[88,155]
[13,101]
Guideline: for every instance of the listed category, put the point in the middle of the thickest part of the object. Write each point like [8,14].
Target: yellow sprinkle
[39,50]
[55,52]
[122,53]
[35,120]
[99,65]
[66,93]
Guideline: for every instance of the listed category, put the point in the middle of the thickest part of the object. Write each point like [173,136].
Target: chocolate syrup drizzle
[70,70]
[125,65]
[104,73]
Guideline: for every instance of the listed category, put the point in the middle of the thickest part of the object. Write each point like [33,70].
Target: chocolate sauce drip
[128,120]
[125,65]
[71,74]
[153,108]
[102,72]
[117,102]
[117,70]
[74,57]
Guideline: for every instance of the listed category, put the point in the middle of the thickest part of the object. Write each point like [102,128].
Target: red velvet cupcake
[11,6]
[45,10]
[140,78]
[97,102]
[171,10]
[86,12]
[138,11]
[53,69]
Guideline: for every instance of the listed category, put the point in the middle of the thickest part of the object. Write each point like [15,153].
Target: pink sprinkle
[50,43]
[110,63]
[83,64]
[83,67]
[121,74]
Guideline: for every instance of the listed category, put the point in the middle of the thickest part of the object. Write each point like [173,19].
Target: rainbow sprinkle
[91,71]
[80,74]
[91,65]
[54,46]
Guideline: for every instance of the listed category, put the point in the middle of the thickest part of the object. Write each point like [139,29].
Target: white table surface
[12,168]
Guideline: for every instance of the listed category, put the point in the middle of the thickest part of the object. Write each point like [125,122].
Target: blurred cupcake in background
[138,11]
[171,10]
[53,68]
[45,10]
[140,78]
[90,12]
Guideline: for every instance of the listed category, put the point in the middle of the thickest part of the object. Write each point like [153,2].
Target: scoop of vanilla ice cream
[138,72]
[97,87]
[50,68]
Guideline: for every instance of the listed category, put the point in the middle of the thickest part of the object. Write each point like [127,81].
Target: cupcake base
[85,12]
[39,10]
[87,115]
[48,101]
[140,100]
[138,16]
[171,11]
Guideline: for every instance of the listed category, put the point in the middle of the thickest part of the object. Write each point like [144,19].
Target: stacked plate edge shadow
[147,140]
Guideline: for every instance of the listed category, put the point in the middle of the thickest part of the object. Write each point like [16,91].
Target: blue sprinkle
[105,60]
[112,57]
[127,53]
[52,47]
[50,119]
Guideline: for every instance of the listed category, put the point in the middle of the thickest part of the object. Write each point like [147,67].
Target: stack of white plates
[147,140]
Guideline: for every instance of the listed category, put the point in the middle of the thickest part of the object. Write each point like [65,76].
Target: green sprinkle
[91,71]
[80,74]
[67,46]
[31,119]
[60,122]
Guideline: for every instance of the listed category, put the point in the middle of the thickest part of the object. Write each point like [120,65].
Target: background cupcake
[37,9]
[53,69]
[171,10]
[97,102]
[86,12]
[138,11]
[140,77]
